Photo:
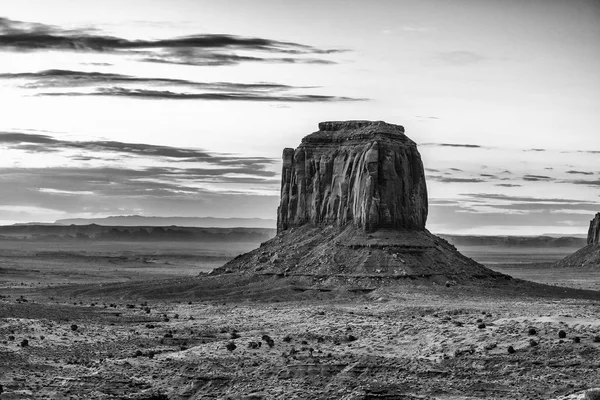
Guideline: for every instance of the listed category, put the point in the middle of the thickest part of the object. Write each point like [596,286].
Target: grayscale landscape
[299,200]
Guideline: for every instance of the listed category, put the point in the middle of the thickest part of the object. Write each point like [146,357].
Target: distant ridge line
[200,222]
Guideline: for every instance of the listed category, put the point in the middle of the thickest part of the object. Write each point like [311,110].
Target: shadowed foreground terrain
[177,339]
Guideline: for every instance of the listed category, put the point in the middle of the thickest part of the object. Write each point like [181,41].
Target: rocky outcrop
[353,211]
[363,172]
[594,231]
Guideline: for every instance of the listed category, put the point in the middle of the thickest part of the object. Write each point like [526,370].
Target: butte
[588,256]
[353,211]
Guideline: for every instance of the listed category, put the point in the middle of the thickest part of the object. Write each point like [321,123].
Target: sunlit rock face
[365,172]
[594,231]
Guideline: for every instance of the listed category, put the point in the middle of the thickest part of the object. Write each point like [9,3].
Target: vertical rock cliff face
[367,173]
[594,231]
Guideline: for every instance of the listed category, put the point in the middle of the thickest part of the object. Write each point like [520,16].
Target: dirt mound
[587,257]
[325,252]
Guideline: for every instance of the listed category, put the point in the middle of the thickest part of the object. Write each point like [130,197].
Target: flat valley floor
[396,342]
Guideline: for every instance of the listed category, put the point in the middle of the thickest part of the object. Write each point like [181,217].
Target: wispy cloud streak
[201,49]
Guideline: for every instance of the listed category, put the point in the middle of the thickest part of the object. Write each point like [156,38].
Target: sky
[183,107]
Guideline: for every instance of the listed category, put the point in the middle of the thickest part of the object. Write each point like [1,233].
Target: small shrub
[511,350]
[138,353]
[532,343]
[351,338]
[532,331]
[562,334]
[481,326]
[596,339]
[234,335]
[24,343]
[252,345]
[577,339]
[287,338]
[230,346]
[74,327]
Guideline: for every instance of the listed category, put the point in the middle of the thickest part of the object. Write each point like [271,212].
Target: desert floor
[410,341]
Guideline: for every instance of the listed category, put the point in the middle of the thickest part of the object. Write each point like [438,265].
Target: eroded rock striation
[353,209]
[363,172]
[594,231]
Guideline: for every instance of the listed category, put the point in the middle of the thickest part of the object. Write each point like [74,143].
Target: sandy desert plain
[88,321]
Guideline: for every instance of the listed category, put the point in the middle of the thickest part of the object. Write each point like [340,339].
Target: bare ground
[167,339]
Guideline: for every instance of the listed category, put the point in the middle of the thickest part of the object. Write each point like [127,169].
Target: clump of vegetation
[481,326]
[351,338]
[562,334]
[24,343]
[253,345]
[287,338]
[532,331]
[74,327]
[147,309]
[532,343]
[596,339]
[511,350]
[234,335]
[270,342]
[230,346]
[138,353]
[577,339]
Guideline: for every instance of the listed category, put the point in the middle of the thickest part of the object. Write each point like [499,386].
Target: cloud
[449,218]
[66,78]
[507,185]
[468,146]
[28,36]
[580,172]
[537,150]
[106,191]
[460,57]
[585,182]
[494,196]
[488,175]
[213,59]
[224,96]
[426,117]
[535,178]
[446,179]
[105,84]
[38,143]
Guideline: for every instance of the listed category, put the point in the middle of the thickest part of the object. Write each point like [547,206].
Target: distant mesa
[354,206]
[200,222]
[588,256]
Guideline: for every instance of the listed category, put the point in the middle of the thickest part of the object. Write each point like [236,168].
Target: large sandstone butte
[588,256]
[367,173]
[354,206]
